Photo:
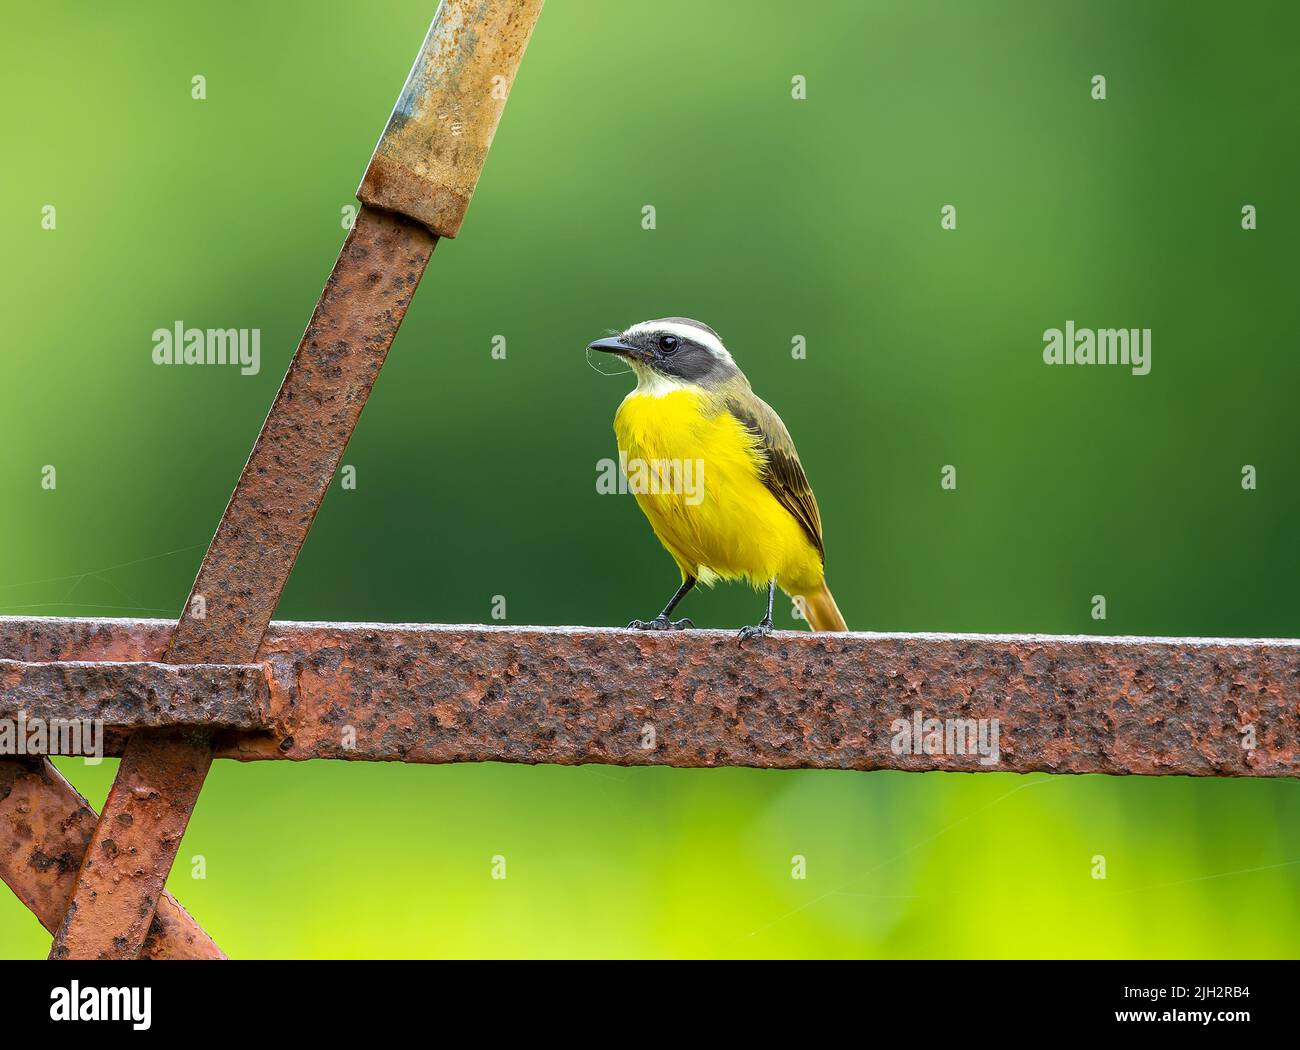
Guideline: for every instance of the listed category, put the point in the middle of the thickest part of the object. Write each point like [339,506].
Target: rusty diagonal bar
[45,829]
[434,145]
[243,574]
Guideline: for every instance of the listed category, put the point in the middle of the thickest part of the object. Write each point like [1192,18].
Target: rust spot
[41,861]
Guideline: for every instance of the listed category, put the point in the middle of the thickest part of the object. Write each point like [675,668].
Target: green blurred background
[476,477]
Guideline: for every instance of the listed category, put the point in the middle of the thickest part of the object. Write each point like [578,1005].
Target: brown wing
[783,474]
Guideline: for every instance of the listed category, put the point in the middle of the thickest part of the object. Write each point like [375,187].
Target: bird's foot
[759,630]
[661,623]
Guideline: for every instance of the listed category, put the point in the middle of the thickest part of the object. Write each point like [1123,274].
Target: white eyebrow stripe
[683,331]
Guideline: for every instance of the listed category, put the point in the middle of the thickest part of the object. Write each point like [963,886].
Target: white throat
[650,383]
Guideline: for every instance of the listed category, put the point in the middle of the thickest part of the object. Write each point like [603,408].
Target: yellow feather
[734,528]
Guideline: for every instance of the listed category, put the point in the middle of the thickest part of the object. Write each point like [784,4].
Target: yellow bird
[714,469]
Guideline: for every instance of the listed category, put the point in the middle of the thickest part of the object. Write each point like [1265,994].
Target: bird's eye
[668,343]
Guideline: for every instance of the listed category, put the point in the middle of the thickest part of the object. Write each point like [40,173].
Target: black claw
[660,623]
[759,630]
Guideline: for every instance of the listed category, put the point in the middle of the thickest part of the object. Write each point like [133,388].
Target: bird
[718,475]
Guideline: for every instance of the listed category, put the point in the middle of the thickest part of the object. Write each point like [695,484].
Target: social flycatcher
[750,513]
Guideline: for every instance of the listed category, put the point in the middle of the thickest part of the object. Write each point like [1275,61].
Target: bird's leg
[661,622]
[764,626]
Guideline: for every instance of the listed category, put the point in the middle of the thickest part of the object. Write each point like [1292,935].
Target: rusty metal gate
[226,682]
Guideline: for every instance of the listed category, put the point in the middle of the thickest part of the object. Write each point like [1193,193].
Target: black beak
[614,346]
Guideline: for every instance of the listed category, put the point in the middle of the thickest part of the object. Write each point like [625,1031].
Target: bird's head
[672,350]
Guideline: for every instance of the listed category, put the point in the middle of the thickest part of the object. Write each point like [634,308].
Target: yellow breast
[696,472]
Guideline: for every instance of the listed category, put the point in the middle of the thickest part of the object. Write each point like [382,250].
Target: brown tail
[823,613]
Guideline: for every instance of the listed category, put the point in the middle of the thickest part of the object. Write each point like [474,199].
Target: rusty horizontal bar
[411,693]
[132,695]
[45,827]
